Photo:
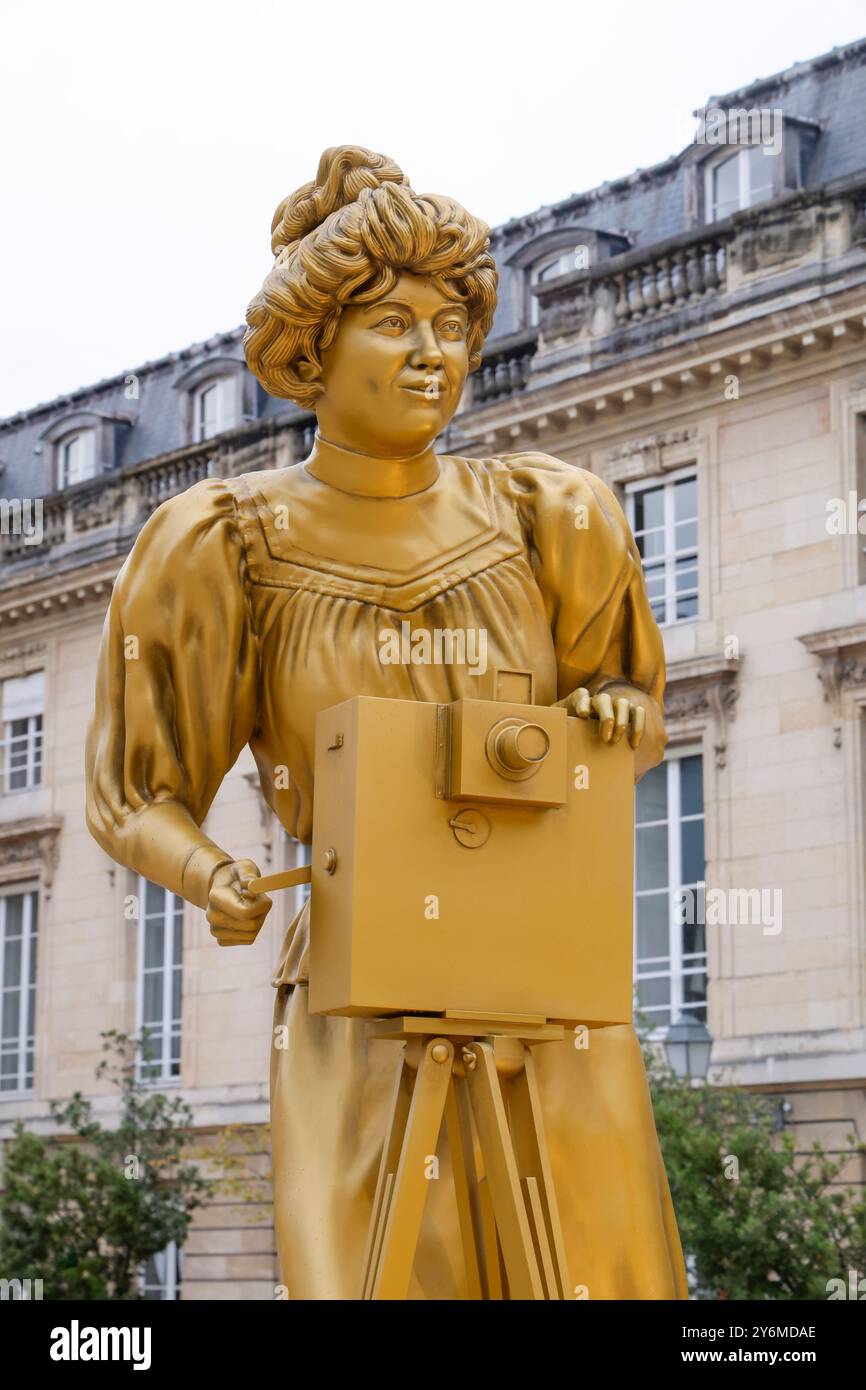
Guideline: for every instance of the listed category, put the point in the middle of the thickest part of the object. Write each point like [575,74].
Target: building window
[215,407]
[160,977]
[21,743]
[17,990]
[738,181]
[76,458]
[670,953]
[160,1276]
[664,519]
[548,268]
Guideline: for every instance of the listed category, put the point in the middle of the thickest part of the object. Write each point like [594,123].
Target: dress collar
[365,475]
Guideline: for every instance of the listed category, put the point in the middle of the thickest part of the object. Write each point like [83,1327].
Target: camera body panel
[460,881]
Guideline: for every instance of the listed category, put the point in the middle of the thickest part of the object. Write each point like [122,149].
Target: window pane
[726,187]
[154,900]
[686,535]
[652,795]
[695,988]
[692,842]
[694,939]
[152,1004]
[655,582]
[12,960]
[14,916]
[11,1013]
[649,508]
[692,785]
[654,996]
[686,499]
[652,857]
[154,944]
[178,932]
[760,174]
[651,544]
[653,929]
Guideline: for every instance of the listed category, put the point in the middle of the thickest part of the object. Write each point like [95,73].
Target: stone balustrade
[504,369]
[662,283]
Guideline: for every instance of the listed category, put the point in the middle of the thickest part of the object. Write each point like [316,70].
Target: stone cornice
[685,376]
[704,689]
[842,653]
[30,849]
[29,598]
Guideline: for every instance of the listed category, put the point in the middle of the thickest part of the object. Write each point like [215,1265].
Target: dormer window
[214,395]
[548,268]
[76,458]
[740,180]
[215,407]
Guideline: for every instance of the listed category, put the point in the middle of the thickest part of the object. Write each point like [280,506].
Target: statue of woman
[258,601]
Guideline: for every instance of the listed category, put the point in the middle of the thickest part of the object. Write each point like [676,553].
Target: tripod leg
[533,1161]
[492,1252]
[488,1107]
[400,1102]
[459,1126]
[402,1206]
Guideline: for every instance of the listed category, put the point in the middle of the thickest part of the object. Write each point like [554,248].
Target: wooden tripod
[480,1077]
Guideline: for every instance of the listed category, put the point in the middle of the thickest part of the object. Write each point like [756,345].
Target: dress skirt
[331,1090]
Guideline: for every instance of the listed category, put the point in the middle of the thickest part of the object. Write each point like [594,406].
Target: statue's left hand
[616,714]
[235,914]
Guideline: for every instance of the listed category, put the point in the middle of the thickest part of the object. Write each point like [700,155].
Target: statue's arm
[609,650]
[175,701]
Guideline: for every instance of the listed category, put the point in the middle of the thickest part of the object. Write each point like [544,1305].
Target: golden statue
[259,602]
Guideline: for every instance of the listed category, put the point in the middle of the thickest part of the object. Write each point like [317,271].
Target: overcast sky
[145,146]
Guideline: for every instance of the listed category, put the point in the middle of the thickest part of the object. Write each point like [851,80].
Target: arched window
[215,407]
[76,458]
[548,268]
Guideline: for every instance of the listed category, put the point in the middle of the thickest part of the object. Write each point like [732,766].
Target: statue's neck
[367,475]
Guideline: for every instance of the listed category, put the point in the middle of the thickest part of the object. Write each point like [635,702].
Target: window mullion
[670,562]
[142,929]
[24,988]
[2,961]
[167,956]
[743,171]
[675,884]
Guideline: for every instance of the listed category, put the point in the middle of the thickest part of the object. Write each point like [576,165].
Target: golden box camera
[472,859]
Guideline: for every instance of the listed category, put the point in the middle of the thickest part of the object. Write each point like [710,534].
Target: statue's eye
[392,321]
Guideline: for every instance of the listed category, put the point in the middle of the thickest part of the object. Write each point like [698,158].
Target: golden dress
[253,604]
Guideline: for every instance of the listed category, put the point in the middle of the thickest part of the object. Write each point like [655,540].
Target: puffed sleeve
[176,691]
[588,569]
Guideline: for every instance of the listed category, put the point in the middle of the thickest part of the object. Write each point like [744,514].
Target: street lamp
[688,1044]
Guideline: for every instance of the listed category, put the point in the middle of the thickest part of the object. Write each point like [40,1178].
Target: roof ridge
[833,56]
[118,378]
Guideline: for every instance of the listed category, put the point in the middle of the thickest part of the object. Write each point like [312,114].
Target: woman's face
[394,374]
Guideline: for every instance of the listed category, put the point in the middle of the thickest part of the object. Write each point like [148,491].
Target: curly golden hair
[344,239]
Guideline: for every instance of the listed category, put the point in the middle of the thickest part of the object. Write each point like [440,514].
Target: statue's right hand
[235,914]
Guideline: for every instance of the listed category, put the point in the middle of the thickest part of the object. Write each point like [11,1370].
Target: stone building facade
[694,333]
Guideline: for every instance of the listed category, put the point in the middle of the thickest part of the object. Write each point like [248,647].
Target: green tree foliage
[83,1212]
[758,1220]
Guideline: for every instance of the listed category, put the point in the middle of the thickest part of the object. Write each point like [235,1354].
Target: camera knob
[517,748]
